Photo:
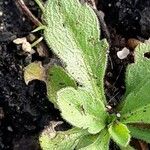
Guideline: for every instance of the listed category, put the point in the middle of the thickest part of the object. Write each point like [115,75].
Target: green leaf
[86,140]
[139,70]
[120,133]
[66,140]
[57,79]
[101,143]
[140,133]
[127,148]
[73,34]
[136,105]
[79,108]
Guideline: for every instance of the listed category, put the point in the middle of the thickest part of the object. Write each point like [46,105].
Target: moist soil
[25,109]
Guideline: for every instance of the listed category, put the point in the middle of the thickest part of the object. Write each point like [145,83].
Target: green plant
[77,89]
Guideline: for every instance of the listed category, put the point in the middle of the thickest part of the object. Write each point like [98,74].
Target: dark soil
[25,110]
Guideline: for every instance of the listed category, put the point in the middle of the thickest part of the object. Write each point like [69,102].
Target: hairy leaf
[139,70]
[73,34]
[139,106]
[101,143]
[137,100]
[79,108]
[140,133]
[86,141]
[120,133]
[127,148]
[66,140]
[57,79]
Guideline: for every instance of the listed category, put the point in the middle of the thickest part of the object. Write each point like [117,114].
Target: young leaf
[140,133]
[65,140]
[120,133]
[57,79]
[101,143]
[79,108]
[73,34]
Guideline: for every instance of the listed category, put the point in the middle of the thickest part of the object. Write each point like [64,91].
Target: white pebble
[1,13]
[109,5]
[123,53]
[9,128]
[118,115]
[20,40]
[1,28]
[109,107]
[26,46]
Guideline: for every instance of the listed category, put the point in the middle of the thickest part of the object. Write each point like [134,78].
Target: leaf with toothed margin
[81,110]
[101,143]
[139,70]
[140,133]
[136,107]
[139,106]
[127,148]
[56,80]
[73,33]
[120,133]
[64,140]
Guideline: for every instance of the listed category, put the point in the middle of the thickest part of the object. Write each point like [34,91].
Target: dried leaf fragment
[133,43]
[34,71]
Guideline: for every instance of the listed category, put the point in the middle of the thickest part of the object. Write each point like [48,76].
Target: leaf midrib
[93,82]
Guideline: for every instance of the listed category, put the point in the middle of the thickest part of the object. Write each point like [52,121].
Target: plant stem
[37,41]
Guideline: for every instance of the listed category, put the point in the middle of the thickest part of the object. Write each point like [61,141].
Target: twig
[27,12]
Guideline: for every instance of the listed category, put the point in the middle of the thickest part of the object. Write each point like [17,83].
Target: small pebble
[1,113]
[109,5]
[26,46]
[9,128]
[118,115]
[1,13]
[123,53]
[6,2]
[108,107]
[1,26]
[24,19]
[20,40]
